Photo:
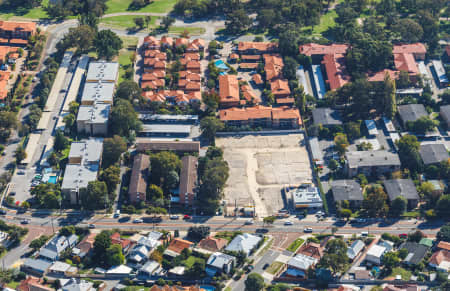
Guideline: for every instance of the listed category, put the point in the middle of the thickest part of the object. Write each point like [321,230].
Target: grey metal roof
[326,116]
[90,150]
[356,247]
[218,260]
[301,262]
[95,114]
[78,176]
[346,190]
[167,118]
[149,267]
[315,149]
[372,158]
[433,153]
[411,112]
[38,265]
[416,252]
[401,187]
[445,111]
[77,285]
[166,128]
[98,92]
[103,71]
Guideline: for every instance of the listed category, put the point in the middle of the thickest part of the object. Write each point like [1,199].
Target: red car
[403,235]
[187,216]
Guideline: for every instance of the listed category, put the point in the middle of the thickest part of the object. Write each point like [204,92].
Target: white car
[249,222]
[138,220]
[308,230]
[288,222]
[174,217]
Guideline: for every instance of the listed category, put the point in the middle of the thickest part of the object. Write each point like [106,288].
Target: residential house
[273,66]
[138,255]
[60,269]
[83,164]
[326,117]
[93,119]
[440,260]
[228,91]
[149,268]
[445,114]
[175,146]
[16,33]
[256,48]
[179,42]
[197,45]
[212,244]
[411,112]
[56,246]
[219,263]
[355,249]
[175,288]
[85,247]
[74,284]
[408,287]
[191,62]
[432,154]
[139,177]
[298,266]
[371,163]
[402,188]
[188,180]
[443,245]
[284,117]
[312,250]
[176,246]
[257,79]
[347,190]
[375,254]
[166,42]
[151,43]
[4,78]
[33,284]
[123,242]
[249,96]
[280,89]
[244,242]
[416,252]
[105,72]
[35,267]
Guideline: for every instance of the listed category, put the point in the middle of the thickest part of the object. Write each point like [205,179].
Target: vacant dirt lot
[261,165]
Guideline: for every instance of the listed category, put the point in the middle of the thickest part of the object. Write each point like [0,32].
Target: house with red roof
[117,240]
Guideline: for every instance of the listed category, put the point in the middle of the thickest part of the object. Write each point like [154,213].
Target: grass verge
[406,275]
[190,30]
[295,244]
[274,268]
[21,12]
[126,22]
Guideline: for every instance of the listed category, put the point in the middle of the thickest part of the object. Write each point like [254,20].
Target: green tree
[443,206]
[128,90]
[290,68]
[20,154]
[375,202]
[139,22]
[154,193]
[390,103]
[444,233]
[422,125]
[81,37]
[89,19]
[95,196]
[398,206]
[254,282]
[148,19]
[162,164]
[390,260]
[167,21]
[124,120]
[409,30]
[353,130]
[211,100]
[107,44]
[209,126]
[113,148]
[415,236]
[345,213]
[341,143]
[111,176]
[336,257]
[269,220]
[61,142]
[333,165]
[102,243]
[69,120]
[114,255]
[408,151]
[237,21]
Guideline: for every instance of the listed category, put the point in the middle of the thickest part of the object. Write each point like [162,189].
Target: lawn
[228,235]
[13,284]
[326,21]
[125,21]
[274,268]
[191,30]
[189,262]
[157,6]
[400,271]
[124,62]
[20,12]
[295,244]
[129,42]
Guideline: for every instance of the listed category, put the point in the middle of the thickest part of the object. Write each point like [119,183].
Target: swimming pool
[208,287]
[221,65]
[52,179]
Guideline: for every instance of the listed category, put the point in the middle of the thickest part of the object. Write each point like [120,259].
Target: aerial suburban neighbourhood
[205,145]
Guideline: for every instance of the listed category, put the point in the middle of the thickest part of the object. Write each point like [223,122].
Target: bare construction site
[261,166]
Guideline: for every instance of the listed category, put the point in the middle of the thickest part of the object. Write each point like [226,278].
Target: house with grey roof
[416,252]
[402,188]
[355,249]
[445,114]
[371,163]
[56,246]
[244,242]
[411,112]
[74,284]
[149,268]
[219,263]
[298,265]
[326,117]
[347,190]
[83,164]
[93,119]
[35,267]
[433,153]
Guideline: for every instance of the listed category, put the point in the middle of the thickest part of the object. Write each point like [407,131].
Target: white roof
[389,125]
[243,242]
[76,82]
[318,81]
[94,114]
[166,128]
[121,269]
[376,251]
[60,267]
[355,249]
[301,262]
[90,150]
[102,71]
[98,92]
[440,71]
[371,127]
[219,259]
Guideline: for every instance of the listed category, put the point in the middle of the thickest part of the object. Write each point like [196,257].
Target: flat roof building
[441,75]
[371,163]
[101,92]
[75,85]
[165,130]
[103,72]
[326,117]
[306,196]
[83,164]
[93,119]
[176,146]
[168,118]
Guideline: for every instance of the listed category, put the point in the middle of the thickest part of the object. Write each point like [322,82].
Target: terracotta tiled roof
[190,76]
[257,112]
[199,42]
[155,84]
[191,56]
[228,88]
[249,95]
[117,240]
[280,87]
[257,79]
[413,48]
[18,41]
[312,250]
[311,49]
[153,75]
[212,244]
[406,62]
[167,40]
[4,77]
[443,245]
[155,54]
[195,96]
[154,63]
[18,26]
[33,284]
[285,100]
[258,46]
[285,112]
[440,256]
[177,245]
[379,76]
[175,288]
[335,68]
[181,41]
[447,50]
[4,50]
[250,57]
[248,65]
[234,56]
[151,42]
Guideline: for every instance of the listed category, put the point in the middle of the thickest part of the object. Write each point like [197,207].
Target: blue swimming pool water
[52,179]
[208,287]
[221,65]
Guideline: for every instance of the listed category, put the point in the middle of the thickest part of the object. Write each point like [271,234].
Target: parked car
[288,222]
[187,216]
[308,230]
[249,222]
[137,220]
[117,214]
[174,217]
[24,221]
[403,235]
[20,172]
[266,265]
[2,211]
[91,226]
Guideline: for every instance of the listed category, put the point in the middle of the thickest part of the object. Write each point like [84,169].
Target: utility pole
[53,228]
